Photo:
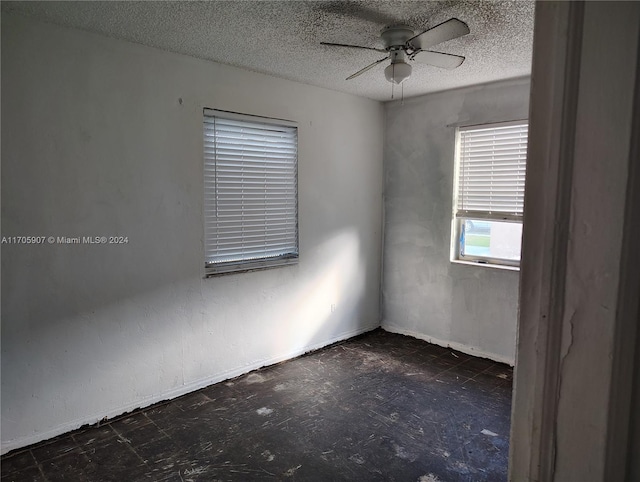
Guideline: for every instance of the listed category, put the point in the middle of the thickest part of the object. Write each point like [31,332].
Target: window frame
[260,262]
[458,219]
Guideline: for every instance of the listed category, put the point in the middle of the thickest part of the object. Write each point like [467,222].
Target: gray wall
[104,137]
[470,308]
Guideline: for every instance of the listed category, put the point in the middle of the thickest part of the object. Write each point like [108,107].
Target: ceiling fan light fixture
[397,72]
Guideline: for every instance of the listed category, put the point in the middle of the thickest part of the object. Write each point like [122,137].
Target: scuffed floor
[377,407]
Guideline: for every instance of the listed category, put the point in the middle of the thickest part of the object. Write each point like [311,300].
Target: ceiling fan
[402,44]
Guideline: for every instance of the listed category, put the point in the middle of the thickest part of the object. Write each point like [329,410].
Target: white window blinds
[491,170]
[250,186]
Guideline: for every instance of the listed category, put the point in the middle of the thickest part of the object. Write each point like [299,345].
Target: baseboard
[469,350]
[176,392]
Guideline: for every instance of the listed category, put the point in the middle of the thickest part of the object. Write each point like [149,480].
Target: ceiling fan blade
[437,59]
[452,28]
[352,46]
[362,71]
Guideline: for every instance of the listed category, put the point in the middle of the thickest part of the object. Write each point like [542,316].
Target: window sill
[234,268]
[486,265]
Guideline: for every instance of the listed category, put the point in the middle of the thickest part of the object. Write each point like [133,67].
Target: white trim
[480,264]
[145,402]
[575,331]
[553,104]
[623,421]
[469,350]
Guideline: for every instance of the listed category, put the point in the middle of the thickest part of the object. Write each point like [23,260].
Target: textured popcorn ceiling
[283,38]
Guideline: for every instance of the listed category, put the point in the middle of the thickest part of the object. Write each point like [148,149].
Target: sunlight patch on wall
[325,301]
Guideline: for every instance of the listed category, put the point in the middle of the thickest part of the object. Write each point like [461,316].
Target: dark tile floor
[377,407]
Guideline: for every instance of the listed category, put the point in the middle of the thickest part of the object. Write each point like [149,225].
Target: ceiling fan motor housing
[396,37]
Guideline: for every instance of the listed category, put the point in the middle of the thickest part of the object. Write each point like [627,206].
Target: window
[250,189]
[489,193]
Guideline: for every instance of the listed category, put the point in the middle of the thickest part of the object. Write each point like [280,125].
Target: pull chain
[402,93]
[393,75]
